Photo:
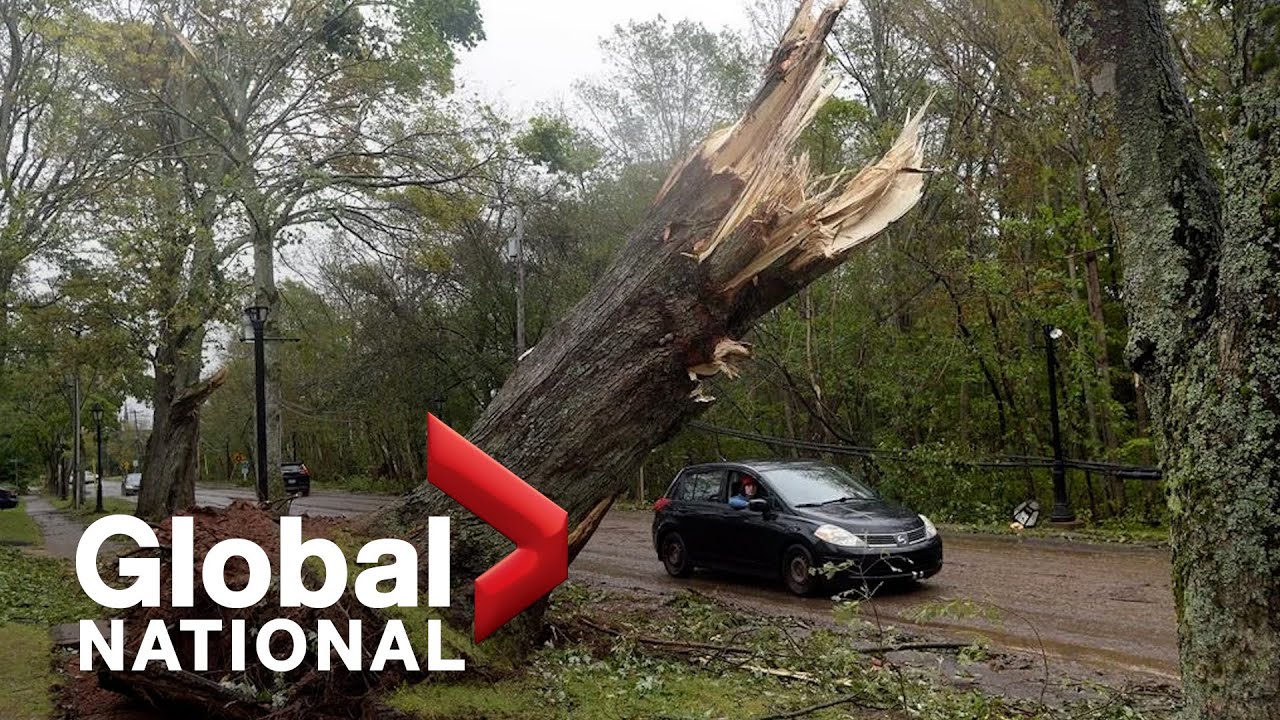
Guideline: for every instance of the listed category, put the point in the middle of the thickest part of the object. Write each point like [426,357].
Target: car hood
[865,516]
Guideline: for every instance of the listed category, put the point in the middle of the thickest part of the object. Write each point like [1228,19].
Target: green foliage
[40,591]
[432,30]
[961,609]
[557,145]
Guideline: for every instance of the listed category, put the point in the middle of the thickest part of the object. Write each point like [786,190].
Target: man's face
[749,488]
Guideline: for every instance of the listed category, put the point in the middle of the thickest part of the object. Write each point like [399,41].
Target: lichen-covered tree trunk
[1202,289]
[737,228]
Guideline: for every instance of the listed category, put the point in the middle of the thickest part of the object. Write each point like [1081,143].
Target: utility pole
[77,478]
[137,440]
[519,283]
[1062,512]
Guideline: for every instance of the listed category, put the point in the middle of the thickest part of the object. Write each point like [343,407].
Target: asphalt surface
[1100,606]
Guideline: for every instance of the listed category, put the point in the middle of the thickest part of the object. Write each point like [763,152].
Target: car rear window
[702,485]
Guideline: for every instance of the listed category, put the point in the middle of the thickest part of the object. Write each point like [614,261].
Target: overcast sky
[536,49]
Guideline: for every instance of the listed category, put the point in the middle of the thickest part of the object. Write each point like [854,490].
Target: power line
[1002,462]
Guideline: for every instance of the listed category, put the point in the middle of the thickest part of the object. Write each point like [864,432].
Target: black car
[803,516]
[297,478]
[8,499]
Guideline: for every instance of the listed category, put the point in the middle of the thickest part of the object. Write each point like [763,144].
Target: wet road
[1101,606]
[326,503]
[1096,605]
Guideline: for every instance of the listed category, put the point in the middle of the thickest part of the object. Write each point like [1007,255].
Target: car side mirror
[758,505]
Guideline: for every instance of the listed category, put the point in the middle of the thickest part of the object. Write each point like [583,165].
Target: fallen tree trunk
[737,228]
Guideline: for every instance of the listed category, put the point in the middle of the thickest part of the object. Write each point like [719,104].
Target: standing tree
[53,152]
[1202,289]
[252,119]
[667,86]
[308,119]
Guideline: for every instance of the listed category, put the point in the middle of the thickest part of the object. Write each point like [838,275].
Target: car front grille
[910,537]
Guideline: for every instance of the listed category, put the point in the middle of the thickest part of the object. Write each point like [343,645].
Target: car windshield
[813,485]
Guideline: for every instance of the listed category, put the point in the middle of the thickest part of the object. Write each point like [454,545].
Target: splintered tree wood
[737,228]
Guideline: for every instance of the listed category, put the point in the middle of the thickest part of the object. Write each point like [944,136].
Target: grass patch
[1107,532]
[35,594]
[17,527]
[110,506]
[40,591]
[25,674]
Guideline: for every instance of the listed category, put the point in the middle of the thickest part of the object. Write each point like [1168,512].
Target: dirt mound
[255,692]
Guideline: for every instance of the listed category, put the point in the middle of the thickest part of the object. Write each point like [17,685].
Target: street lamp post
[1062,512]
[97,424]
[62,475]
[257,316]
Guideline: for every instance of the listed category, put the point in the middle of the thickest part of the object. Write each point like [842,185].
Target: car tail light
[661,504]
[305,471]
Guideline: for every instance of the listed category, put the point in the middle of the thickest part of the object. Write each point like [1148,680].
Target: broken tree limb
[857,699]
[737,228]
[899,647]
[583,531]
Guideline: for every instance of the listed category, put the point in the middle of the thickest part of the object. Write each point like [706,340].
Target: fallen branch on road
[852,699]
[881,649]
[675,645]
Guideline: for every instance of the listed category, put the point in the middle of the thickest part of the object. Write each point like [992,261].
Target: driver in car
[747,491]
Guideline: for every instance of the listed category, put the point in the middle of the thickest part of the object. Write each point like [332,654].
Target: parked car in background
[8,498]
[297,478]
[131,484]
[800,517]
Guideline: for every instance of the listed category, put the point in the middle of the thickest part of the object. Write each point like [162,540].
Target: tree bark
[1202,289]
[171,466]
[737,229]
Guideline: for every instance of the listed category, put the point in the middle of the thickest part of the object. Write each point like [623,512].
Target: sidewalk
[61,533]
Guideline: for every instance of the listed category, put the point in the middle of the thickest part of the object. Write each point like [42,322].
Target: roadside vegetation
[17,528]
[610,655]
[36,593]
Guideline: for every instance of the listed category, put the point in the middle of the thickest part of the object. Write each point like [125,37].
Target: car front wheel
[797,571]
[675,556]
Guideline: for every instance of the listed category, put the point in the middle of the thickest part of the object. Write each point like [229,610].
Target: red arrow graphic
[538,527]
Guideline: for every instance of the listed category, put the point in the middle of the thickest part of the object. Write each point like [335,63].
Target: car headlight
[930,530]
[838,536]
